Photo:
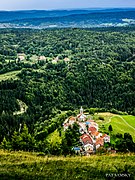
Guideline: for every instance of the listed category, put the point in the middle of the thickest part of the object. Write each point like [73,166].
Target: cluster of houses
[91,139]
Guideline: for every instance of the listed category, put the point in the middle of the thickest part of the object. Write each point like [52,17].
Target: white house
[99,142]
[65,126]
[72,120]
[106,138]
[88,147]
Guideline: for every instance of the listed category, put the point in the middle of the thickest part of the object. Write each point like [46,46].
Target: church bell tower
[81,110]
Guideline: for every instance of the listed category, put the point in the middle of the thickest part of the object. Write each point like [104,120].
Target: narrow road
[23,108]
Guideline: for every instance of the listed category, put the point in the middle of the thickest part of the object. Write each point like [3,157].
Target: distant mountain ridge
[84,18]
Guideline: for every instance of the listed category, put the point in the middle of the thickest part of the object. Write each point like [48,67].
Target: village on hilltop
[91,139]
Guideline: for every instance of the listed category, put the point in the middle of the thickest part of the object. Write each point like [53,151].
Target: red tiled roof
[104,135]
[79,115]
[90,120]
[72,118]
[96,133]
[92,129]
[86,139]
[100,141]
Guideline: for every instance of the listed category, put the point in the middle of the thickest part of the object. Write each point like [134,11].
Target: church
[81,117]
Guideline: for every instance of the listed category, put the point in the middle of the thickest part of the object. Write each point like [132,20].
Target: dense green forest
[60,70]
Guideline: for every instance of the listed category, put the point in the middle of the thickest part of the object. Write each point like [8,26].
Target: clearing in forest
[9,75]
[120,123]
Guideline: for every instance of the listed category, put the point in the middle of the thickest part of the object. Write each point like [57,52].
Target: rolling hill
[83,18]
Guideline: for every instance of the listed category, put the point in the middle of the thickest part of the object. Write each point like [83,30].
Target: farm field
[21,165]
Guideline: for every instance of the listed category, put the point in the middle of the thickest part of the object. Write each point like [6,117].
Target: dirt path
[122,120]
[126,122]
[109,120]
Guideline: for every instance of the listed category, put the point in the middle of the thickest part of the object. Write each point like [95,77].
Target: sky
[63,4]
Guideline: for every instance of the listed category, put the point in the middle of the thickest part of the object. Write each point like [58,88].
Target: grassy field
[13,75]
[9,75]
[130,120]
[120,124]
[21,165]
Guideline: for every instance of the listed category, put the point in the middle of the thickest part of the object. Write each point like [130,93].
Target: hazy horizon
[16,5]
[69,9]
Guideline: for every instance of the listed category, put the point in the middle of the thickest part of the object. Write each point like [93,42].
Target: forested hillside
[81,18]
[60,70]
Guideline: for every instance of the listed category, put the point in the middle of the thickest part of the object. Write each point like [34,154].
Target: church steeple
[81,110]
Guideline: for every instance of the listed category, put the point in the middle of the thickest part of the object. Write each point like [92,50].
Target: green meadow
[22,165]
[130,120]
[120,124]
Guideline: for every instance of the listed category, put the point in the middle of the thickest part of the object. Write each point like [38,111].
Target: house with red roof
[87,142]
[96,134]
[99,142]
[72,120]
[82,127]
[91,138]
[91,129]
